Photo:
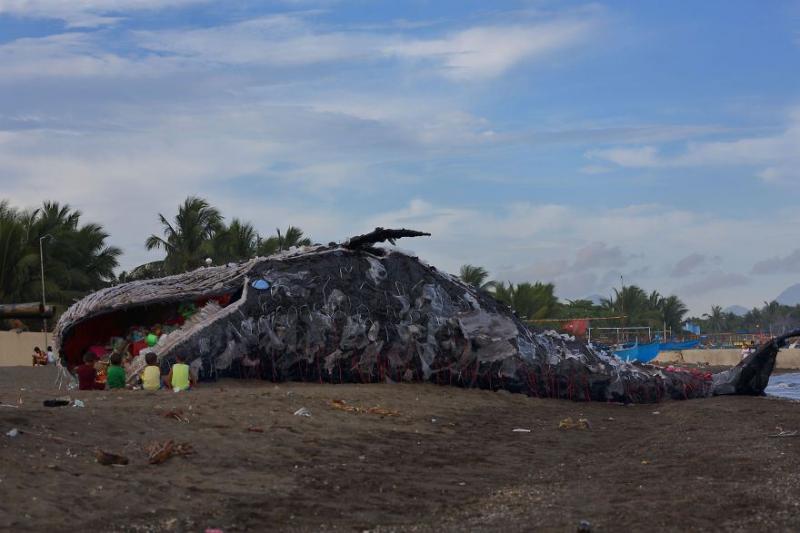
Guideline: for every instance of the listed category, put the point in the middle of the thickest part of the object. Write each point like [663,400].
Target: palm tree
[716,319]
[672,312]
[639,308]
[530,300]
[76,258]
[187,240]
[580,309]
[280,242]
[475,276]
[237,242]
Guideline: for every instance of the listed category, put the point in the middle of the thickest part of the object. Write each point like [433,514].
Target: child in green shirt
[115,378]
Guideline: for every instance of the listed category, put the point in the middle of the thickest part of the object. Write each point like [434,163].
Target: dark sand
[450,461]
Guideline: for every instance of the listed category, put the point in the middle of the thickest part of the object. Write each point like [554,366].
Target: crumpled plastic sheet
[350,316]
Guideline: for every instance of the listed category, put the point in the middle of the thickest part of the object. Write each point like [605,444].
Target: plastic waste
[78,403]
[302,412]
[521,430]
[13,433]
[55,403]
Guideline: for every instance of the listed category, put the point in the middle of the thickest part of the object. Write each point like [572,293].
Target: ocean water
[784,386]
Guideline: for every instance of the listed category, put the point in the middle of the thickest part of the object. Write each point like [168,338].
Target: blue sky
[571,142]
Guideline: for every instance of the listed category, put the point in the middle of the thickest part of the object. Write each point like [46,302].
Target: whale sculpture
[356,312]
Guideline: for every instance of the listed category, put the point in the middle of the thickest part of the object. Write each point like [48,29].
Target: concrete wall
[17,348]
[787,358]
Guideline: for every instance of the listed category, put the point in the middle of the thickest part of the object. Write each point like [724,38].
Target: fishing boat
[644,353]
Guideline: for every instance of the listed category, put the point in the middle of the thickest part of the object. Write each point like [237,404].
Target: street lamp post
[44,300]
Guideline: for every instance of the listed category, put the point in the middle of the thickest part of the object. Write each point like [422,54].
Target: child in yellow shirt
[151,376]
[180,376]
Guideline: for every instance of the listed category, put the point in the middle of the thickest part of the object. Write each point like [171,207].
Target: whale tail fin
[751,375]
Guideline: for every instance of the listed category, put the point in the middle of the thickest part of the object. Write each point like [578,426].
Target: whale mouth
[122,316]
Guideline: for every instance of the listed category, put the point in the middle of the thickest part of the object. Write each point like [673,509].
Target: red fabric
[577,327]
[98,351]
[138,346]
[87,377]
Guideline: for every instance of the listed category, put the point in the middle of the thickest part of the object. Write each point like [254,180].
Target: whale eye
[260,284]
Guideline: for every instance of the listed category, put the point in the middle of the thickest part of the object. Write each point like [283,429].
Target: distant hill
[737,310]
[790,295]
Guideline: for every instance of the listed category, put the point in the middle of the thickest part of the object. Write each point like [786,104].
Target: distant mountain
[737,310]
[790,295]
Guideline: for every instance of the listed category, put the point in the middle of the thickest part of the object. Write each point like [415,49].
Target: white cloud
[72,55]
[290,40]
[644,156]
[487,52]
[774,158]
[85,13]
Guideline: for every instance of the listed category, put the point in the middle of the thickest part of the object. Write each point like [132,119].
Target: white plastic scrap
[521,430]
[302,412]
[13,433]
[78,403]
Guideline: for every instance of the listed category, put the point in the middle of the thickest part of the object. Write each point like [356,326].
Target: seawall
[787,358]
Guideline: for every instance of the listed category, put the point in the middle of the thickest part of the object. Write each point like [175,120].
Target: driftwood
[26,310]
[381,235]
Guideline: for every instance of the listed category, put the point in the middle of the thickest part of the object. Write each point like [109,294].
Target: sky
[587,144]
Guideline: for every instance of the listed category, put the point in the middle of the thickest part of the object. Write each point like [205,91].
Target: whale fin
[751,376]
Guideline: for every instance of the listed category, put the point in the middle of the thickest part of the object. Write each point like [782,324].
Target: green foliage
[198,232]
[772,318]
[475,276]
[530,300]
[283,241]
[77,259]
[188,239]
[237,242]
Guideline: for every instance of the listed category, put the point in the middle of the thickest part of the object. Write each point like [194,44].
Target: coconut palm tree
[529,300]
[475,276]
[236,242]
[716,319]
[187,240]
[77,258]
[280,242]
[672,312]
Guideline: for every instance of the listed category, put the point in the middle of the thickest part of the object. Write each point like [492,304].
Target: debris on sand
[105,458]
[12,433]
[158,452]
[255,430]
[569,423]
[342,405]
[177,414]
[302,412]
[784,433]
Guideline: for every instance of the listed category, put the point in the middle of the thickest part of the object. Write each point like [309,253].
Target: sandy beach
[427,458]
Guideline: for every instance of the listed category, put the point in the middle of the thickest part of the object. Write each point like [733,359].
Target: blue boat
[677,346]
[644,353]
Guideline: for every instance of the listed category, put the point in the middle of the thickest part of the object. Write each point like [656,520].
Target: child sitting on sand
[87,375]
[180,378]
[116,374]
[151,376]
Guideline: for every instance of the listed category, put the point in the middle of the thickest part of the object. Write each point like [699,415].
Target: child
[151,376]
[180,378]
[87,375]
[116,374]
[39,357]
